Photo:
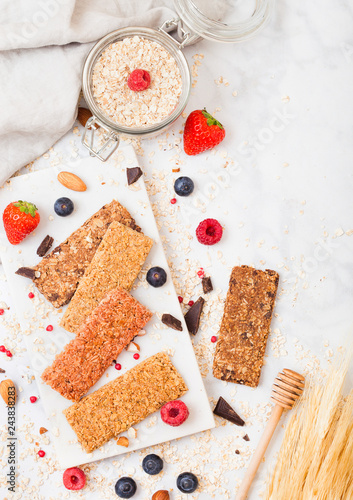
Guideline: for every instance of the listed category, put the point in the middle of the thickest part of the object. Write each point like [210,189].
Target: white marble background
[281,184]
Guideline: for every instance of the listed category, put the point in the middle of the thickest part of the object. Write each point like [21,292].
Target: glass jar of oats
[120,111]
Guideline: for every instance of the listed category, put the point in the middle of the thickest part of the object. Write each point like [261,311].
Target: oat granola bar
[245,325]
[100,339]
[116,263]
[61,270]
[125,401]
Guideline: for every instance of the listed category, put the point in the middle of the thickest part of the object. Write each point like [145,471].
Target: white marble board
[104,182]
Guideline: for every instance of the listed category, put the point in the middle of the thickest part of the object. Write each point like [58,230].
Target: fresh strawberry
[20,218]
[202,132]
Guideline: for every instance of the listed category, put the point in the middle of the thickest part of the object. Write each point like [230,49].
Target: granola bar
[245,325]
[125,401]
[60,271]
[100,339]
[117,262]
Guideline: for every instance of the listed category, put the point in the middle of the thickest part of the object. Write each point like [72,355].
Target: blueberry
[183,186]
[63,207]
[152,464]
[187,482]
[156,276]
[125,487]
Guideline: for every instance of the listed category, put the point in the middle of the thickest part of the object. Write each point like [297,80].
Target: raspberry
[41,453]
[214,338]
[33,399]
[9,354]
[174,413]
[209,232]
[173,201]
[191,303]
[1,312]
[74,478]
[180,299]
[118,366]
[136,355]
[49,328]
[31,295]
[2,348]
[139,80]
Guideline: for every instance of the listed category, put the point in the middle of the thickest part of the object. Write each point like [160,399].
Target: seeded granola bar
[117,262]
[60,271]
[245,325]
[100,339]
[125,401]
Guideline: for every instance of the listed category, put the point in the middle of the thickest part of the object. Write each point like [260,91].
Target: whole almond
[83,114]
[8,392]
[123,441]
[71,181]
[161,495]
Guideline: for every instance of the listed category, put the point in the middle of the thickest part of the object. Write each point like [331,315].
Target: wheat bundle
[315,461]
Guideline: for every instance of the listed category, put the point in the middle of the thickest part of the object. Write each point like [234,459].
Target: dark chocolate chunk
[207,284]
[192,317]
[237,452]
[133,174]
[134,226]
[27,272]
[2,371]
[224,410]
[246,437]
[172,322]
[45,245]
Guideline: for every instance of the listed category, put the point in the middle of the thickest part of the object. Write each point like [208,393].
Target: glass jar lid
[224,20]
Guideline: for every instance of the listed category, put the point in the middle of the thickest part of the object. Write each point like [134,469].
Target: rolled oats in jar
[127,107]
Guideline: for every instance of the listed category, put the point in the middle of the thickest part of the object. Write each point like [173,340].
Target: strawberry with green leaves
[20,218]
[202,132]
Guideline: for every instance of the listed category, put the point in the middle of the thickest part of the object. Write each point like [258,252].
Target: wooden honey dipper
[287,388]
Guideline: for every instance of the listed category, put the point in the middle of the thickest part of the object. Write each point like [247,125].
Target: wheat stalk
[315,461]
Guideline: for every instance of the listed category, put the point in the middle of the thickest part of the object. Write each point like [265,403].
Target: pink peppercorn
[41,453]
[214,339]
[118,366]
[9,354]
[31,295]
[136,355]
[49,328]
[190,303]
[180,299]
[173,201]
[1,312]
[33,399]
[201,272]
[2,348]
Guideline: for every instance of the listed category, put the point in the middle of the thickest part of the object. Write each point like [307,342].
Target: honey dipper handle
[259,452]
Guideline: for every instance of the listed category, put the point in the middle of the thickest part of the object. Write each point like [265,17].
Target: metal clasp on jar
[90,140]
[185,37]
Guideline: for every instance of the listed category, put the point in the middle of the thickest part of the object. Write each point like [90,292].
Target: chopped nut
[123,441]
[132,433]
[133,347]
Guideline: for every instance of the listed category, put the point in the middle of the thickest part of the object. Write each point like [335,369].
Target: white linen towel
[43,44]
